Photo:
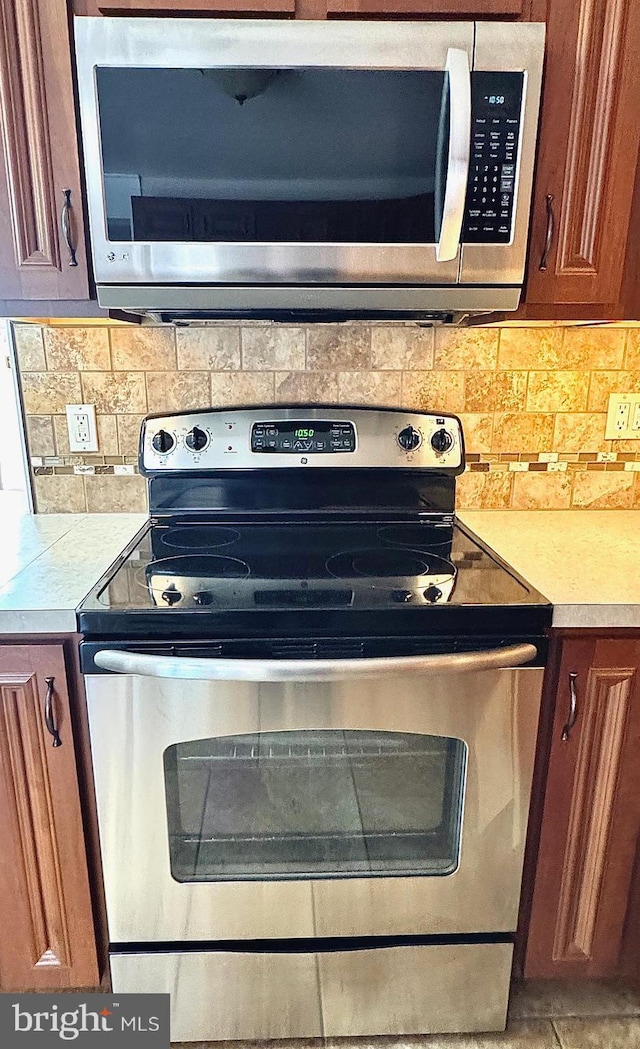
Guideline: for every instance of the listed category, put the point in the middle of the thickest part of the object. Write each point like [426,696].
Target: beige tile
[30,347]
[116,392]
[603,490]
[544,998]
[108,494]
[321,387]
[137,348]
[61,434]
[494,391]
[478,431]
[228,388]
[274,349]
[48,392]
[369,388]
[209,349]
[40,437]
[557,391]
[433,391]
[598,1034]
[176,391]
[128,433]
[338,347]
[56,494]
[604,383]
[107,434]
[522,432]
[531,348]
[77,349]
[484,491]
[541,491]
[632,353]
[466,348]
[593,347]
[582,432]
[397,348]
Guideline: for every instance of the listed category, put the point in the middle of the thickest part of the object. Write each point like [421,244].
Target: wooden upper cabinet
[318,8]
[591,816]
[46,917]
[588,150]
[38,156]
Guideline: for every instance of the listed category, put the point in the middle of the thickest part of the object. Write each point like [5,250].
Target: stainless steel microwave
[258,167]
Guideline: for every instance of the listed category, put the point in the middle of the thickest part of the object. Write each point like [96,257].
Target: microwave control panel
[496,107]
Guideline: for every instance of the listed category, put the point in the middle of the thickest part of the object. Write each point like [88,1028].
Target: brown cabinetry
[588,150]
[591,814]
[40,192]
[46,917]
[319,8]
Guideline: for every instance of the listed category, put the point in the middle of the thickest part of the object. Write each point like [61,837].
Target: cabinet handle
[551,225]
[65,221]
[573,707]
[49,718]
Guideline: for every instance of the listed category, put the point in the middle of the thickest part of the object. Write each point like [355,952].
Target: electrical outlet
[81,424]
[623,417]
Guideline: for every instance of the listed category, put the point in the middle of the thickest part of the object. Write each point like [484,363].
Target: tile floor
[542,1015]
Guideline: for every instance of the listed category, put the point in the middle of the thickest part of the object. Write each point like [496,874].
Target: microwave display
[273,155]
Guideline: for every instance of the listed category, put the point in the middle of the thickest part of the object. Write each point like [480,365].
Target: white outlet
[623,417]
[81,424]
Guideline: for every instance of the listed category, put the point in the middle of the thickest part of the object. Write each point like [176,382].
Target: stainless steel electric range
[313,700]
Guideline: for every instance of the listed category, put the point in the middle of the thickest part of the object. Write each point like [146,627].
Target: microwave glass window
[314,804]
[264,155]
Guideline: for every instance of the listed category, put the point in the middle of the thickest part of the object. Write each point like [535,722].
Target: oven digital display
[303,437]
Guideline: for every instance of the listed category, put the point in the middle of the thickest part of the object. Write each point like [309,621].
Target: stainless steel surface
[393,991]
[134,719]
[510,46]
[573,707]
[229,445]
[65,222]
[458,159]
[551,222]
[221,43]
[181,668]
[192,298]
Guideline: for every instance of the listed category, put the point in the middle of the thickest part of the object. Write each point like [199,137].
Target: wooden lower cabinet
[47,936]
[591,813]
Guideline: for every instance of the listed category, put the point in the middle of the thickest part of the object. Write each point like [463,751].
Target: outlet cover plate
[82,428]
[623,417]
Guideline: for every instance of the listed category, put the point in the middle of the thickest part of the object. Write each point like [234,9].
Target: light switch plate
[81,424]
[623,417]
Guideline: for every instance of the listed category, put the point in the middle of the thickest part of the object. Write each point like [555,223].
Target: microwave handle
[455,193]
[185,668]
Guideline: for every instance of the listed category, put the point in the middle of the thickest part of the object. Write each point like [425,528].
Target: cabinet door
[38,156]
[591,815]
[590,127]
[48,938]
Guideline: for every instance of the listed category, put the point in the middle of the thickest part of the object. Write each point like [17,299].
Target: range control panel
[300,436]
[496,105]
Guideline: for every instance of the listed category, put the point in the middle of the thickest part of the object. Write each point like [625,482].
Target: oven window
[273,155]
[314,804]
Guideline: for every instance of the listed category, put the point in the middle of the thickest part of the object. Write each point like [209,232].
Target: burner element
[417,536]
[388,562]
[199,537]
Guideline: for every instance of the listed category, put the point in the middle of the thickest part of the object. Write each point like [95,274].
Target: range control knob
[402,596]
[196,439]
[441,441]
[203,597]
[163,441]
[409,439]
[171,595]
[432,594]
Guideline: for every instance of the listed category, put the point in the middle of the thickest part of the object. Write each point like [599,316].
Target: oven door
[371,804]
[275,152]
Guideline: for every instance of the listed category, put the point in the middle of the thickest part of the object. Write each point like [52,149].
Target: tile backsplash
[533,401]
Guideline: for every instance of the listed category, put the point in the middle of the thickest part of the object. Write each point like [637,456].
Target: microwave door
[283,154]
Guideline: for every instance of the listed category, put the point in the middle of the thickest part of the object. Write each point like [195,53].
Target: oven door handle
[455,193]
[197,669]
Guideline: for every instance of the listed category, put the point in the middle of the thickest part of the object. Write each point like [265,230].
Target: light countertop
[586,562]
[48,563]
